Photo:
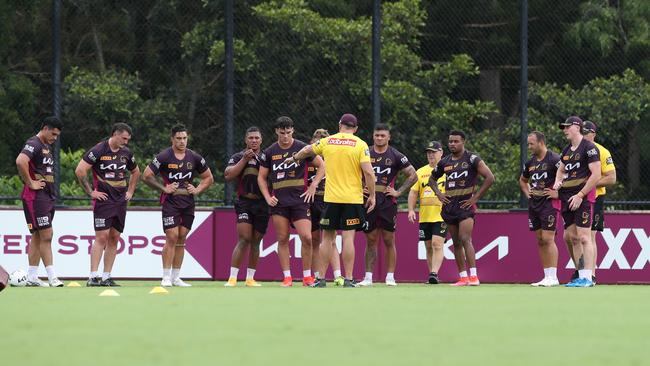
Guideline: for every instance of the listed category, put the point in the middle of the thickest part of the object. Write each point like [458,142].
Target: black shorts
[253,212]
[598,220]
[453,214]
[543,217]
[382,217]
[317,208]
[38,214]
[429,229]
[174,216]
[109,214]
[580,217]
[343,216]
[293,213]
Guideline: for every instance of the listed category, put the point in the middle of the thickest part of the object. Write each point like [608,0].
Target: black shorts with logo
[429,229]
[253,212]
[317,208]
[174,215]
[384,217]
[453,214]
[38,214]
[293,213]
[543,217]
[343,216]
[580,217]
[109,214]
[598,221]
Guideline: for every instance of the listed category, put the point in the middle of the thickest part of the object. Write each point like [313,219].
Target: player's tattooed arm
[82,176]
[412,177]
[304,153]
[149,178]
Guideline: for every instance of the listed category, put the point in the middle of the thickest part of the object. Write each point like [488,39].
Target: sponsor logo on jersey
[342,142]
[350,222]
[107,157]
[29,148]
[276,157]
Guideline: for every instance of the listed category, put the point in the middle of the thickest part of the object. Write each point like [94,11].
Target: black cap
[573,120]
[588,127]
[434,146]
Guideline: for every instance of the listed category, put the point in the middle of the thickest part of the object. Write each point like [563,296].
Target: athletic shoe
[320,282]
[55,282]
[232,282]
[593,279]
[307,281]
[365,283]
[581,282]
[109,283]
[575,276]
[538,283]
[94,282]
[36,282]
[252,283]
[391,282]
[339,281]
[463,281]
[287,282]
[572,282]
[180,283]
[433,278]
[473,281]
[351,283]
[166,282]
[546,282]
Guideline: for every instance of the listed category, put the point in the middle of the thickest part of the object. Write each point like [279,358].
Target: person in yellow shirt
[347,160]
[607,178]
[433,229]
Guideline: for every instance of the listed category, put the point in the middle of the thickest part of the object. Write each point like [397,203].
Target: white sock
[234,271]
[106,275]
[552,272]
[286,273]
[472,271]
[337,273]
[167,273]
[306,273]
[32,272]
[585,273]
[390,276]
[94,274]
[368,276]
[316,274]
[463,274]
[176,273]
[50,272]
[546,275]
[250,273]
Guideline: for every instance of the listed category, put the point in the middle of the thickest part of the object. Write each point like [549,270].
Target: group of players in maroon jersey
[292,194]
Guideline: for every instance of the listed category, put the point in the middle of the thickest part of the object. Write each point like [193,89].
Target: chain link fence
[445,64]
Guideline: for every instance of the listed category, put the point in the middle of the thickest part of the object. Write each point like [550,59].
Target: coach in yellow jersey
[347,160]
[433,229]
[607,178]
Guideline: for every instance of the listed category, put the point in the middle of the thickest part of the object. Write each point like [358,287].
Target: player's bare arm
[22,163]
[369,176]
[488,180]
[149,178]
[576,200]
[523,185]
[607,179]
[82,177]
[559,177]
[133,182]
[206,182]
[434,185]
[262,177]
[304,153]
[412,200]
[234,171]
[412,177]
[309,194]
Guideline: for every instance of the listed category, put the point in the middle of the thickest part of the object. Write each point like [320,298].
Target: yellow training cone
[158,291]
[73,284]
[109,293]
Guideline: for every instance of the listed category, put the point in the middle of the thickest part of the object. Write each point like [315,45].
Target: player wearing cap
[536,182]
[347,158]
[608,178]
[462,169]
[292,195]
[387,162]
[432,227]
[576,180]
[35,165]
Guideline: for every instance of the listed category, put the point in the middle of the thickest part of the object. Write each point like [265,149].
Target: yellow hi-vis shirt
[430,205]
[606,165]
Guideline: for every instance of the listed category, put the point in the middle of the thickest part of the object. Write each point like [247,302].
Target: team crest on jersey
[577,156]
[124,159]
[45,151]
[189,166]
[464,165]
[388,162]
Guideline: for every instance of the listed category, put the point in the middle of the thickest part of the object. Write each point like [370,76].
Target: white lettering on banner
[501,243]
[180,176]
[644,242]
[457,175]
[614,249]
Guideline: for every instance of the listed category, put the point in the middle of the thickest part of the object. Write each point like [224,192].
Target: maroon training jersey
[576,165]
[109,169]
[320,190]
[462,175]
[541,175]
[289,181]
[181,171]
[386,166]
[41,167]
[247,186]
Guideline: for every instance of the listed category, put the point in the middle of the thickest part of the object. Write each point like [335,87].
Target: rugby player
[177,166]
[536,182]
[462,169]
[576,180]
[35,165]
[387,162]
[110,160]
[291,197]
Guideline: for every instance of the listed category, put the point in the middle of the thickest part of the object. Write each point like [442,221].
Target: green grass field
[407,325]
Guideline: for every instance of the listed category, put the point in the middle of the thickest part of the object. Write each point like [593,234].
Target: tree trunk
[633,162]
[101,65]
